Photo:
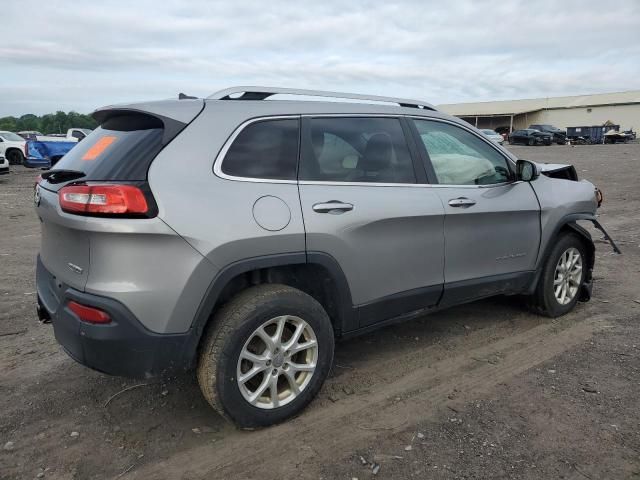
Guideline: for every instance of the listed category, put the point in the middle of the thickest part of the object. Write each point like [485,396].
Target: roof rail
[261,93]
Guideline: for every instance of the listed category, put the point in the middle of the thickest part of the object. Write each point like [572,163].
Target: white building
[621,108]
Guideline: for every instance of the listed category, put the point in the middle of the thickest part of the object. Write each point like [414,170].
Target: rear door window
[358,149]
[122,148]
[266,149]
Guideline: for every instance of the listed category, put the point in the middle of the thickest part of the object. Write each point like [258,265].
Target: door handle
[463,202]
[332,206]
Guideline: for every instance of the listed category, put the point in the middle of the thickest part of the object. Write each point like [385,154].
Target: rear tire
[560,275]
[281,380]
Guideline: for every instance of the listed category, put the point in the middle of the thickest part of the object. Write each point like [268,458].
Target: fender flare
[347,317]
[569,221]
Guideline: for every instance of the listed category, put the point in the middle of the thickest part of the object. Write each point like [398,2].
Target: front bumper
[31,162]
[123,347]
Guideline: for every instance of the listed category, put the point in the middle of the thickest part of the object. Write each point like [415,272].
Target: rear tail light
[89,314]
[103,199]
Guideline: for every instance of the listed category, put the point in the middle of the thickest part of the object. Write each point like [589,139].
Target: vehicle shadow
[131,417]
[448,327]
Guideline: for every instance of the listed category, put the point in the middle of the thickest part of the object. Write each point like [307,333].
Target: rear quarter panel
[141,263]
[213,214]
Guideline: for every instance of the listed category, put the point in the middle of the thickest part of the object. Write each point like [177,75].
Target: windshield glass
[11,137]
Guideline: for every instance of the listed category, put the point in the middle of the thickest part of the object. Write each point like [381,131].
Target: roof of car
[185,110]
[260,101]
[263,93]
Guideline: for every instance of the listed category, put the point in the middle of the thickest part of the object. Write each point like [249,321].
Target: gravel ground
[484,390]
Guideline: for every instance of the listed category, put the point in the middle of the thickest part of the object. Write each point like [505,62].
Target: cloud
[81,56]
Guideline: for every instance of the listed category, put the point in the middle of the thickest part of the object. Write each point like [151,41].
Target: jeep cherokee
[240,235]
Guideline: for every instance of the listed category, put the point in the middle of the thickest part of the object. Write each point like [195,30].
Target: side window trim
[429,166]
[217,164]
[305,145]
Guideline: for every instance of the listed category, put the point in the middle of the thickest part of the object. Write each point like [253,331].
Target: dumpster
[588,135]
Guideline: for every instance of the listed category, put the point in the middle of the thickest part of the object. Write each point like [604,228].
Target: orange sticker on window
[99,147]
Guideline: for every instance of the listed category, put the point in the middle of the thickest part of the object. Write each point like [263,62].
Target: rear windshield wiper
[59,176]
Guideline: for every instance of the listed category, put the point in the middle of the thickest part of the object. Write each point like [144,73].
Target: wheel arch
[568,224]
[315,273]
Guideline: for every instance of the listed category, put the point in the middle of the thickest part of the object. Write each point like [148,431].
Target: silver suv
[241,235]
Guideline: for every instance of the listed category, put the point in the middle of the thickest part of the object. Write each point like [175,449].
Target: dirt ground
[485,390]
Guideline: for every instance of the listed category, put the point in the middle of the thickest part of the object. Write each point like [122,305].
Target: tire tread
[224,322]
[537,302]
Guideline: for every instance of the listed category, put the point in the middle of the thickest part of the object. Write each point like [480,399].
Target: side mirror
[526,171]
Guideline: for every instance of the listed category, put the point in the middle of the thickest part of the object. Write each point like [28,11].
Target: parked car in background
[76,134]
[504,131]
[29,134]
[12,147]
[557,135]
[4,165]
[72,135]
[288,236]
[529,136]
[493,135]
[45,154]
[613,136]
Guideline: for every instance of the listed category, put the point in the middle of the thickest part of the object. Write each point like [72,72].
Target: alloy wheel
[567,276]
[277,362]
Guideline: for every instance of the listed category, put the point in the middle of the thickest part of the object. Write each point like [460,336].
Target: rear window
[122,148]
[266,149]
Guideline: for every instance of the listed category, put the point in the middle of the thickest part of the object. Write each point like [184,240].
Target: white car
[72,135]
[4,165]
[493,135]
[12,147]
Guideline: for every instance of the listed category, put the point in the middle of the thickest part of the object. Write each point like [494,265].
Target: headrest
[378,152]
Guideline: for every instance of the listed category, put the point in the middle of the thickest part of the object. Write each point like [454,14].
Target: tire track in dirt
[321,432]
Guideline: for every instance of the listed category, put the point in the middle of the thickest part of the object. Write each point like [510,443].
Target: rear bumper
[123,347]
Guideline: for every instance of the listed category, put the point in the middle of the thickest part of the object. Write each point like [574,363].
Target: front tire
[15,157]
[559,285]
[265,355]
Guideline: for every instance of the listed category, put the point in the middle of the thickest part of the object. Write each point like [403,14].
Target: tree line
[58,122]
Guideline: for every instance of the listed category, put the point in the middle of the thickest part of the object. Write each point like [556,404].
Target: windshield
[489,132]
[11,137]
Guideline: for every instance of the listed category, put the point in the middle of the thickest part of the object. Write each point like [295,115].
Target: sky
[70,55]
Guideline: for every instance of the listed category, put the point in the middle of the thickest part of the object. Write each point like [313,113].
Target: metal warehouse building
[621,108]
